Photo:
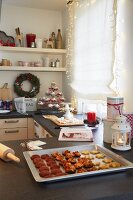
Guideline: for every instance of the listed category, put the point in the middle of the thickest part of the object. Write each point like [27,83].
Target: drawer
[13,134]
[14,122]
[38,130]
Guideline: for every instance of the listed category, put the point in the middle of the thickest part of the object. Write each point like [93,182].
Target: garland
[35,82]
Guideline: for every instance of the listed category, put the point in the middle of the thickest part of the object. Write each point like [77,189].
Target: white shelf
[33,50]
[44,69]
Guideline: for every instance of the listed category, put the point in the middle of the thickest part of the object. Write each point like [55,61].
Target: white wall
[29,20]
[38,21]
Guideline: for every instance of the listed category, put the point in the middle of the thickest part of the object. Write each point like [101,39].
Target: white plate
[4,111]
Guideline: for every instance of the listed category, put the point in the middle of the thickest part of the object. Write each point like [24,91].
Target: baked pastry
[35,156]
[95,163]
[44,173]
[100,155]
[81,170]
[76,154]
[59,157]
[91,169]
[72,160]
[35,160]
[70,169]
[78,165]
[94,152]
[39,164]
[104,166]
[115,164]
[107,160]
[69,155]
[85,152]
[54,154]
[45,156]
[65,152]
[88,164]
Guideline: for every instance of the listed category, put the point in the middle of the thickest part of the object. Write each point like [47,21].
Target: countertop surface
[48,125]
[17,182]
[38,117]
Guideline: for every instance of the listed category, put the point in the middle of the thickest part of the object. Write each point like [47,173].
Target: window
[91,49]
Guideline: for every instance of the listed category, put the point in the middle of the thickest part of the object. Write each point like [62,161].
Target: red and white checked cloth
[129,117]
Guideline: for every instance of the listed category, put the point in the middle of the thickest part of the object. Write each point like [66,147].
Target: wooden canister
[114,107]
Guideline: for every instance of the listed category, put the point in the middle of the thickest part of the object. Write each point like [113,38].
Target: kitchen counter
[17,182]
[47,124]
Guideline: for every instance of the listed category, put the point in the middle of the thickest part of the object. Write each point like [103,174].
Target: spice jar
[57,63]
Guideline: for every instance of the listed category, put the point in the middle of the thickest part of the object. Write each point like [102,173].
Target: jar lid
[115,98]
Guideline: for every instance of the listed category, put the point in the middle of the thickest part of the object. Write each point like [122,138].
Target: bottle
[59,40]
[57,62]
[53,39]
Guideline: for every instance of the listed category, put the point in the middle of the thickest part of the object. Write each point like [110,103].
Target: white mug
[46,61]
[38,43]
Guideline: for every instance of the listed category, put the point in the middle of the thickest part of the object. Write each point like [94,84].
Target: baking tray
[125,164]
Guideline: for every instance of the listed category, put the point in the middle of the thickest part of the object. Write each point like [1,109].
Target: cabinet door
[40,132]
[14,122]
[13,134]
[31,129]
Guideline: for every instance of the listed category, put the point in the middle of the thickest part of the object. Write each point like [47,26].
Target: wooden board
[64,122]
[5,93]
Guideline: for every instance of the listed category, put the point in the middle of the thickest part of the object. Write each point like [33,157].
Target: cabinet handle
[11,121]
[36,124]
[13,131]
[47,135]
[37,136]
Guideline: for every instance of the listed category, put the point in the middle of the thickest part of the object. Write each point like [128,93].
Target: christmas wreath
[35,83]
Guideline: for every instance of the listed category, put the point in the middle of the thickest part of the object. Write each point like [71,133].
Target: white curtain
[91,42]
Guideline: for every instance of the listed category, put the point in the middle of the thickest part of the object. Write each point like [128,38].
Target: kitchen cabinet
[16,129]
[31,129]
[41,51]
[40,132]
[13,129]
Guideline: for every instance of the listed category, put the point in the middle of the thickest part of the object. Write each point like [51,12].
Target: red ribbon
[116,106]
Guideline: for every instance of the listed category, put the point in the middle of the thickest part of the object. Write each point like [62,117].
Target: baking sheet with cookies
[74,162]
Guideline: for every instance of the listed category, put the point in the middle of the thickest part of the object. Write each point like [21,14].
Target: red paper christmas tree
[53,97]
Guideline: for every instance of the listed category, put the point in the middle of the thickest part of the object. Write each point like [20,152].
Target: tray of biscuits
[74,162]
